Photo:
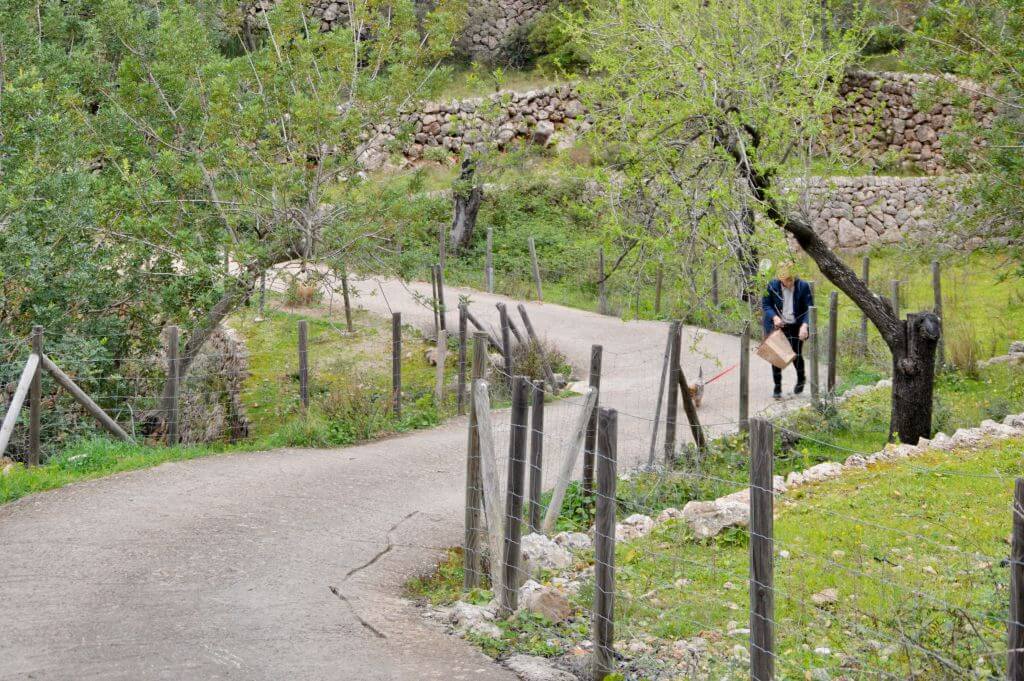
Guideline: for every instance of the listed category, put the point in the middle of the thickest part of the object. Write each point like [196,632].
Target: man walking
[786,305]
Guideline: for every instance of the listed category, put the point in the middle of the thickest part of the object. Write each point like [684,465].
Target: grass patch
[94,458]
[479,82]
[349,380]
[913,551]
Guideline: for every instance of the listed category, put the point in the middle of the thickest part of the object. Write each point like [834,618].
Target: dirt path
[223,568]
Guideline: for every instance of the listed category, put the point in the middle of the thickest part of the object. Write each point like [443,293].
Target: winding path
[290,564]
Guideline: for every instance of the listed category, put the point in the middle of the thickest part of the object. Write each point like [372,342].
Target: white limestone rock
[636,525]
[540,553]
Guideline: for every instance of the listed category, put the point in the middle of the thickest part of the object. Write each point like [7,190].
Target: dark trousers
[792,332]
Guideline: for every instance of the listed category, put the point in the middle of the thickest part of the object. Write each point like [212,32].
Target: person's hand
[804,332]
[777,321]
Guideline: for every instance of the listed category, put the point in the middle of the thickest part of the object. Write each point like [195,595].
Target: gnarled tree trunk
[912,342]
[913,377]
[468,196]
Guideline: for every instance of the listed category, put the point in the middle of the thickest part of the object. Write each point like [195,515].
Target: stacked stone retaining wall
[855,213]
[889,118]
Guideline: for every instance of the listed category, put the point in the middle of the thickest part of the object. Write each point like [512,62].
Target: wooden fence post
[396,364]
[442,246]
[714,287]
[940,350]
[460,397]
[440,298]
[591,441]
[62,379]
[174,379]
[745,379]
[492,484]
[696,431]
[472,561]
[506,342]
[536,455]
[762,570]
[18,400]
[896,297]
[602,298]
[433,300]
[489,262]
[661,396]
[261,315]
[548,373]
[672,406]
[480,327]
[812,329]
[865,275]
[442,357]
[35,401]
[512,552]
[536,268]
[344,295]
[304,363]
[833,340]
[659,277]
[575,441]
[1015,628]
[604,547]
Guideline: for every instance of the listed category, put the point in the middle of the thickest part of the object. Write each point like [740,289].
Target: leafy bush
[555,48]
[884,40]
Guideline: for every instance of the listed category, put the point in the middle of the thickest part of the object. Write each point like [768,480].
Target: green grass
[350,379]
[913,550]
[478,82]
[95,458]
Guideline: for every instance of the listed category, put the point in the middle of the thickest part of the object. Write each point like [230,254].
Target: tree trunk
[912,342]
[747,254]
[913,378]
[468,196]
[236,294]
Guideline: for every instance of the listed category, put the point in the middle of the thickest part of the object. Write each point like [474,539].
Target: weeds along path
[290,564]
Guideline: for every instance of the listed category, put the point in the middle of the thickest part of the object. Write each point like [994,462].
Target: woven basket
[776,350]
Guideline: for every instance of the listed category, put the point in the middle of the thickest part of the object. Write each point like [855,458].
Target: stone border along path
[290,564]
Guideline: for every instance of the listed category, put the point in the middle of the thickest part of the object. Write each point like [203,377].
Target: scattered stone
[669,514]
[531,668]
[541,553]
[822,472]
[573,541]
[544,601]
[636,525]
[825,597]
[476,619]
[708,518]
[543,132]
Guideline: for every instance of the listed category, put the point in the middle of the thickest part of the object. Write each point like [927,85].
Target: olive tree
[707,107]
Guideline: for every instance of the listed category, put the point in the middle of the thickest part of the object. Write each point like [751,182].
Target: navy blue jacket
[803,299]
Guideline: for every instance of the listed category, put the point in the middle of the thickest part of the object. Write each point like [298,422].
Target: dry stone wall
[886,120]
[448,128]
[855,213]
[491,23]
[882,122]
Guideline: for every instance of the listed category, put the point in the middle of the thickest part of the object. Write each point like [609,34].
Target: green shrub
[885,40]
